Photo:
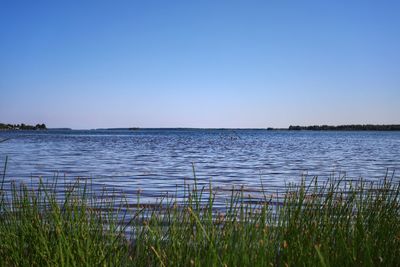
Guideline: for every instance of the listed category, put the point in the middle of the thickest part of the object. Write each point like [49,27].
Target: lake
[157,161]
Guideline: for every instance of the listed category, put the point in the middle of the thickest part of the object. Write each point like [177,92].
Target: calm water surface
[156,161]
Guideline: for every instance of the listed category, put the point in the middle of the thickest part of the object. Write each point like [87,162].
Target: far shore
[347,127]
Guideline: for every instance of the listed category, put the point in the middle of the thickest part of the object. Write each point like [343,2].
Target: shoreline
[335,223]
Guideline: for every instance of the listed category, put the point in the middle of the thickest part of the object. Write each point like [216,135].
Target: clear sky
[89,64]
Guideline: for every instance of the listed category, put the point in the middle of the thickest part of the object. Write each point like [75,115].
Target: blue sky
[89,64]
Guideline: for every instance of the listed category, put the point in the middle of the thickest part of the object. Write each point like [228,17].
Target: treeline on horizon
[22,126]
[351,127]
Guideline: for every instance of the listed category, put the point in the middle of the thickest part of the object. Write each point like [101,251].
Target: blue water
[156,161]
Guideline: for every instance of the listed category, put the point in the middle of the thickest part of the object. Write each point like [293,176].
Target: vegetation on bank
[22,126]
[336,223]
[352,127]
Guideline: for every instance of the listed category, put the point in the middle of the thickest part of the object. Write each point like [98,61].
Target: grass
[335,223]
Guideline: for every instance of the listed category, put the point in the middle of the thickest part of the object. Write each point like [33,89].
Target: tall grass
[335,223]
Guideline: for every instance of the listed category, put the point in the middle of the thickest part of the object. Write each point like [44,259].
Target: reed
[334,223]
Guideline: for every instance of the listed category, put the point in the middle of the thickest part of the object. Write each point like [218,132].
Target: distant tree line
[352,127]
[22,126]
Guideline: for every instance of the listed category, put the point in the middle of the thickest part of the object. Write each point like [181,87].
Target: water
[157,161]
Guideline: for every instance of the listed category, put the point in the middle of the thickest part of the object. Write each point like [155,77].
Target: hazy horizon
[193,128]
[233,64]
